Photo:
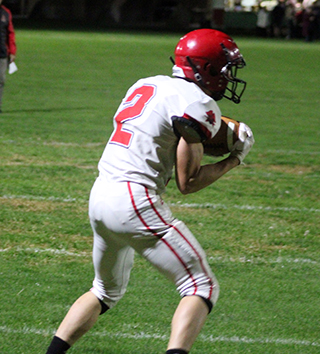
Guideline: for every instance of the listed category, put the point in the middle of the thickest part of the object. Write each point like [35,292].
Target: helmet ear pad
[213,80]
[203,72]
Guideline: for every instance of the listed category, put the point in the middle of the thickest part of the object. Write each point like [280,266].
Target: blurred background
[266,18]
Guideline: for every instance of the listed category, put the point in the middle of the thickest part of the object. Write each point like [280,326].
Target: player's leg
[112,261]
[175,252]
[3,68]
[82,315]
[80,318]
[180,257]
[187,322]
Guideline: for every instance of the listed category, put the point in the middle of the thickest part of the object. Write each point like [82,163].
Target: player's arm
[190,175]
[11,41]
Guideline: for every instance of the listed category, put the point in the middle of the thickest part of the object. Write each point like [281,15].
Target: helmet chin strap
[197,75]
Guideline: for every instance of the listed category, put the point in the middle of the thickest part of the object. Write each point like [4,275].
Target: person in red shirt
[7,45]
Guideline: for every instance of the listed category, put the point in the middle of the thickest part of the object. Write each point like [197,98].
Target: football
[224,140]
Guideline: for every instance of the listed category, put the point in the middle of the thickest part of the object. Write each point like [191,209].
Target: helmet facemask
[229,72]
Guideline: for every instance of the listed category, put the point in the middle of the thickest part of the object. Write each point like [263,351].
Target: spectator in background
[299,20]
[7,45]
[290,19]
[263,22]
[238,6]
[317,14]
[310,23]
[277,18]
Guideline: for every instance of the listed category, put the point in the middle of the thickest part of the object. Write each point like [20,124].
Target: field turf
[259,224]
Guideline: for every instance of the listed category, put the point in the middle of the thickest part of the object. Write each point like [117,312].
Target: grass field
[259,225]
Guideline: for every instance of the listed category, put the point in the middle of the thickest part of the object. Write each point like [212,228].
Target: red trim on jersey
[205,131]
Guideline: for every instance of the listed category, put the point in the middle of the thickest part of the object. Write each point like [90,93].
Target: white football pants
[127,217]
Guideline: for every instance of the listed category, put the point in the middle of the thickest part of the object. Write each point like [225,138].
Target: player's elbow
[186,188]
[185,191]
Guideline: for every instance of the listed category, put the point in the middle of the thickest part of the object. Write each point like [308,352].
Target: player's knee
[104,307]
[215,292]
[210,295]
[108,299]
[208,302]
[205,287]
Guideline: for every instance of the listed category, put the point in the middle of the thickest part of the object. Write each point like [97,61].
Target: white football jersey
[143,144]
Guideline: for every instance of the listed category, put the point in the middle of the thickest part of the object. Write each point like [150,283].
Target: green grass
[259,224]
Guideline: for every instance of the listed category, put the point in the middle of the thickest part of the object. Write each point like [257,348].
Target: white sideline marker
[178,205]
[217,259]
[142,335]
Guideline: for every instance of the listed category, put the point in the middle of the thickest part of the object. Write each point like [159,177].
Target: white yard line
[62,251]
[218,259]
[143,335]
[293,152]
[259,260]
[40,198]
[242,207]
[177,205]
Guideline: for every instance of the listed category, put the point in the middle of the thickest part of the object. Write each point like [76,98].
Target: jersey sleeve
[201,121]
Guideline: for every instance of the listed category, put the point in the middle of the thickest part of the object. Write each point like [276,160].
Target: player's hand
[12,58]
[246,140]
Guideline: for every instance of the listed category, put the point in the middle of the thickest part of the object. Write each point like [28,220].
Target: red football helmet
[211,59]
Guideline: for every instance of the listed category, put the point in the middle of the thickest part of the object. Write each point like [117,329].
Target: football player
[160,125]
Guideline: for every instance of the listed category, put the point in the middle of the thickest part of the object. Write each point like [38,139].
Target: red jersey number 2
[134,105]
